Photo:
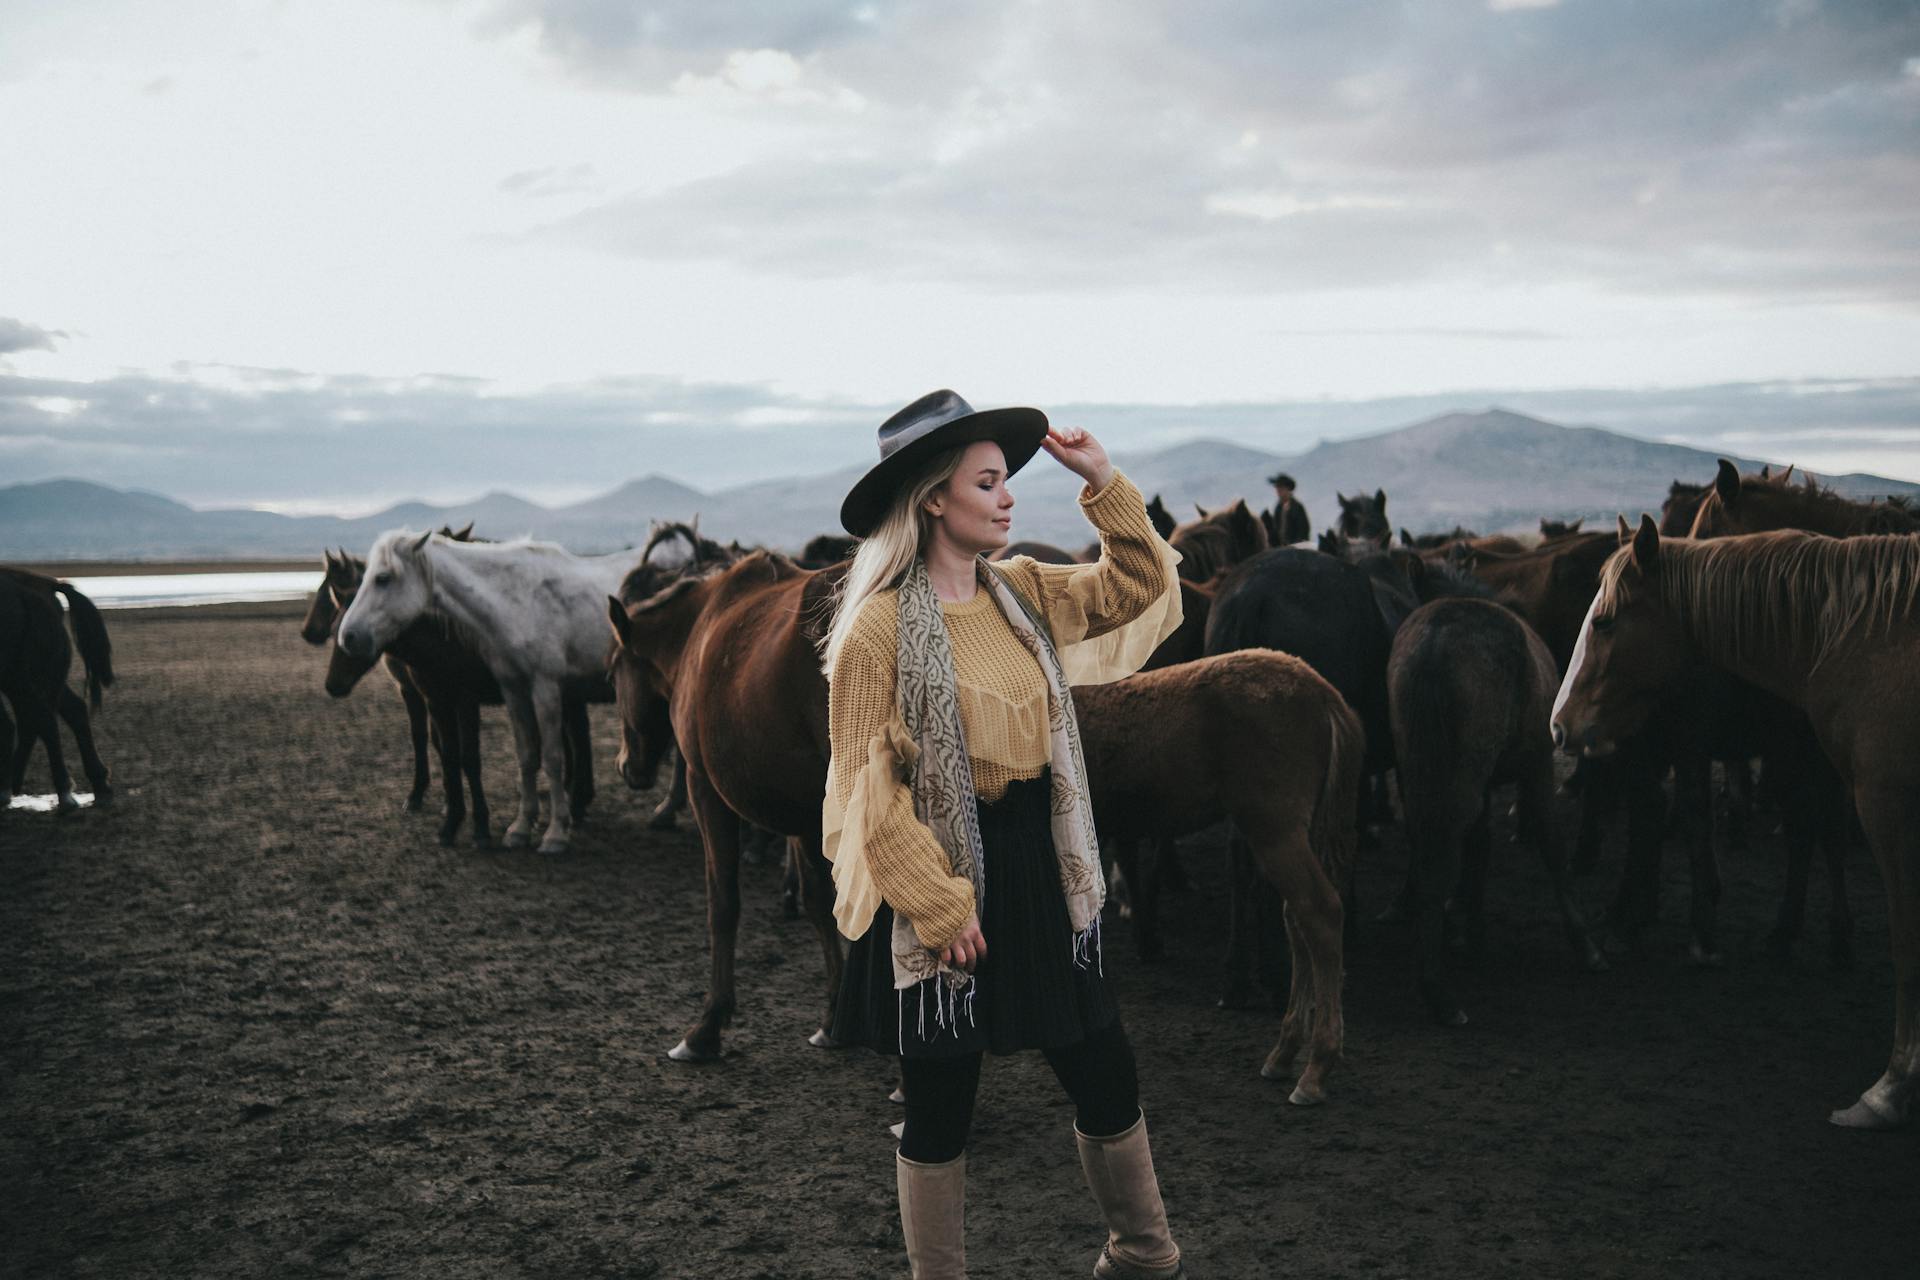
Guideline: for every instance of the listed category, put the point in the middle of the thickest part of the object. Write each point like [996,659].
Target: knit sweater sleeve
[906,860]
[1081,601]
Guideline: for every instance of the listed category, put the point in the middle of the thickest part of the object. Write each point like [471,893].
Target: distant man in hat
[1287,523]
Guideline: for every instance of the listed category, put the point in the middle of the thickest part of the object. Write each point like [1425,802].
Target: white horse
[536,613]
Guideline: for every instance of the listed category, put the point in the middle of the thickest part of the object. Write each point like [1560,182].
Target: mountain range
[1491,471]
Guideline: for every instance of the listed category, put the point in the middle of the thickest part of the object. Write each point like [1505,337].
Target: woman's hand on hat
[968,948]
[1075,449]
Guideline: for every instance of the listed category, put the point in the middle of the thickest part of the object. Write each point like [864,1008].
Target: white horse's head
[397,588]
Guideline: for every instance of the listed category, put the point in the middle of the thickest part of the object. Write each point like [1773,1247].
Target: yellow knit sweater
[1002,692]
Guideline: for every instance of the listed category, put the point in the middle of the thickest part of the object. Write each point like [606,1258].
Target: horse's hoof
[413,804]
[102,797]
[1867,1114]
[897,1098]
[685,1052]
[67,804]
[1234,1000]
[1304,1097]
[517,839]
[789,907]
[554,844]
[1596,960]
[821,1040]
[1455,1017]
[446,837]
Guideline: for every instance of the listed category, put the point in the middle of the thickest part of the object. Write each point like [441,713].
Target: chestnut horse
[1257,737]
[1829,625]
[1217,541]
[733,655]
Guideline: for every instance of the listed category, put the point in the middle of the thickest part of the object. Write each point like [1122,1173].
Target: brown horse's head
[1554,530]
[647,636]
[1737,504]
[1163,521]
[1630,651]
[330,597]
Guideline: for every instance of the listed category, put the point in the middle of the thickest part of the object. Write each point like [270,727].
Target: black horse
[35,655]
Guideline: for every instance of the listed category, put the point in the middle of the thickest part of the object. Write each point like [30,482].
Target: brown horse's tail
[90,637]
[1331,832]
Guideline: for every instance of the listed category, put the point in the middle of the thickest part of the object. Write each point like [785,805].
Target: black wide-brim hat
[935,422]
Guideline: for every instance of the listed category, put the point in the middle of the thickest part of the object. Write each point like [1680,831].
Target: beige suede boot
[1120,1173]
[933,1216]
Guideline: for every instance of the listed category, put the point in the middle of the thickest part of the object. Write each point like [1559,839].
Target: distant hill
[1491,471]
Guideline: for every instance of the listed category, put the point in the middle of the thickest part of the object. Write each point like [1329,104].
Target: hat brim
[1018,432]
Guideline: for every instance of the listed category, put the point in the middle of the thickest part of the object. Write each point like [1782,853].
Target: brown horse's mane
[1805,591]
[1809,501]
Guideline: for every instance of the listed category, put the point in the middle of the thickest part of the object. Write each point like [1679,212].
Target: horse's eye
[1603,622]
[382,579]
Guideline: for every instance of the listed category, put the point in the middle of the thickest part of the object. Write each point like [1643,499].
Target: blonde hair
[885,555]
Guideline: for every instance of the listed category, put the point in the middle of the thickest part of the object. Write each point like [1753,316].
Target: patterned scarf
[928,700]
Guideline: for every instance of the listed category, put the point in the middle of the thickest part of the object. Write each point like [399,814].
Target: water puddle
[48,803]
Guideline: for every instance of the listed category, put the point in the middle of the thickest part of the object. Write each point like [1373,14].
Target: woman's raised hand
[1075,449]
[968,948]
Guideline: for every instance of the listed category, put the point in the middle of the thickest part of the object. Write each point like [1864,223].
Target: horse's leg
[6,757]
[792,881]
[720,834]
[1800,822]
[1469,905]
[446,735]
[1536,809]
[662,818]
[547,708]
[46,726]
[469,718]
[417,735]
[1693,774]
[1836,830]
[1890,810]
[1298,1019]
[1315,929]
[73,709]
[816,878]
[1143,898]
[1599,798]
[1637,904]
[526,747]
[579,758]
[1240,923]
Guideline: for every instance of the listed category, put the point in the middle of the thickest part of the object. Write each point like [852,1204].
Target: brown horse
[1550,585]
[1218,540]
[1256,737]
[1469,687]
[1679,509]
[1743,504]
[1554,530]
[1829,625]
[733,655]
[35,656]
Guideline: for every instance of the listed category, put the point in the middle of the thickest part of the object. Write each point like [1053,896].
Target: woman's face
[973,509]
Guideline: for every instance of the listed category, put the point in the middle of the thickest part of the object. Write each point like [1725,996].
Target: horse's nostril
[1559,736]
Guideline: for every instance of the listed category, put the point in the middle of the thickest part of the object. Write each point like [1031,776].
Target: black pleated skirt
[1029,993]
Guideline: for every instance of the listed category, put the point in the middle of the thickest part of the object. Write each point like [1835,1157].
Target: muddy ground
[254,1021]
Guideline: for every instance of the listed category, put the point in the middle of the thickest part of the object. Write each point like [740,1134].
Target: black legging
[1097,1073]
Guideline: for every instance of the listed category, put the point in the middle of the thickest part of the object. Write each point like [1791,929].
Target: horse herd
[1758,620]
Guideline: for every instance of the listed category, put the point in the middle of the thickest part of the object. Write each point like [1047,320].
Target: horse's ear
[465,534]
[419,544]
[1809,481]
[1646,545]
[622,624]
[1344,504]
[326,558]
[1766,471]
[1202,510]
[1380,501]
[1626,530]
[1545,526]
[1406,539]
[1575,526]
[1726,482]
[1786,477]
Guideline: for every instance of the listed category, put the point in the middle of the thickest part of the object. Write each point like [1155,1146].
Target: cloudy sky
[327,253]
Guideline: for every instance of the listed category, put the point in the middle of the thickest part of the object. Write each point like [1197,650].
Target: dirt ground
[254,1021]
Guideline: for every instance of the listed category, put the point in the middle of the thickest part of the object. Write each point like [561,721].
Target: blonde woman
[957,813]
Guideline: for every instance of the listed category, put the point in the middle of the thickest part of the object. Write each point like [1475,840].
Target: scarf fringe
[1086,948]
